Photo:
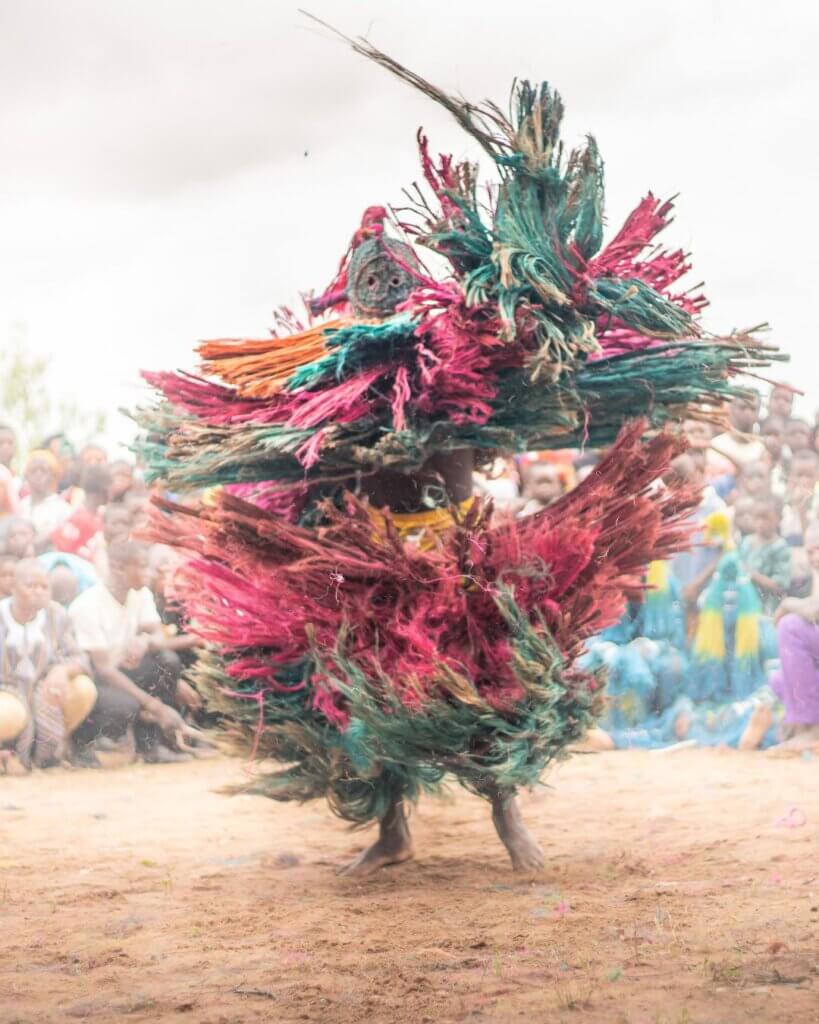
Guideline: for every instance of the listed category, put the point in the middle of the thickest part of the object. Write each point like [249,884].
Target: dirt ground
[679,888]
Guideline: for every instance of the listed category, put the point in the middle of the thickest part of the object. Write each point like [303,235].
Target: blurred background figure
[698,434]
[738,445]
[80,532]
[766,555]
[797,682]
[800,496]
[780,402]
[44,683]
[542,483]
[798,436]
[9,484]
[500,481]
[772,435]
[8,564]
[43,507]
[18,538]
[122,479]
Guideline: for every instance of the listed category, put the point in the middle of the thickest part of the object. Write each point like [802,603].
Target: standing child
[43,506]
[780,401]
[772,433]
[800,501]
[753,481]
[766,555]
[738,444]
[743,518]
[797,435]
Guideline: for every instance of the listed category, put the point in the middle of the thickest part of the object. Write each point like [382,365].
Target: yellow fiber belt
[428,523]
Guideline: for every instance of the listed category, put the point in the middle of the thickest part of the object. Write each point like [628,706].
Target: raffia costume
[373,652]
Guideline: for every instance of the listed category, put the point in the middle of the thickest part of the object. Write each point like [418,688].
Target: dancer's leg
[394,843]
[522,847]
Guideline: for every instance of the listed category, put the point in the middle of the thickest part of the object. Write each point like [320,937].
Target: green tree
[26,402]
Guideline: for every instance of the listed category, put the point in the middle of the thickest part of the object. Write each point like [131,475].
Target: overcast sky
[172,170]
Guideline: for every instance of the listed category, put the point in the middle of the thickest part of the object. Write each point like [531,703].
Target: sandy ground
[674,892]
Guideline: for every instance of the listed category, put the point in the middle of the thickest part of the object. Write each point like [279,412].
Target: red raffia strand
[344,402]
[278,500]
[211,402]
[459,355]
[642,225]
[266,590]
[443,179]
[660,269]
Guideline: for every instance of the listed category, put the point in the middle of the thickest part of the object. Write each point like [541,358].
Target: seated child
[754,723]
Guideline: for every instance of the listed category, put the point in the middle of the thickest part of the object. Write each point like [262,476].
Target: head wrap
[46,456]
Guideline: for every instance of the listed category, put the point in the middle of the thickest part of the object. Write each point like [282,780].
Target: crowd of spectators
[92,647]
[91,650]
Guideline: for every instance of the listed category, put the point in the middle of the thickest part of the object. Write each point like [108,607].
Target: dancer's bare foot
[760,721]
[805,737]
[393,846]
[522,847]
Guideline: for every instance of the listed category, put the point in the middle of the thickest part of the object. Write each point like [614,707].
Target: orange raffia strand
[260,368]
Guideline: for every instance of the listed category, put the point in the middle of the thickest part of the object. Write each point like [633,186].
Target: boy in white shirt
[136,669]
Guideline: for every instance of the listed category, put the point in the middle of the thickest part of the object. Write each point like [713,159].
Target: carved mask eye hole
[372,281]
[395,281]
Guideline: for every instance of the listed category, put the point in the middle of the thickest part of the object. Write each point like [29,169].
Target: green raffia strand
[541,414]
[639,306]
[353,349]
[388,749]
[583,215]
[548,209]
[321,761]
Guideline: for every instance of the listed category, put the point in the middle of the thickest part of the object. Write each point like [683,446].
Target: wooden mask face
[376,283]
